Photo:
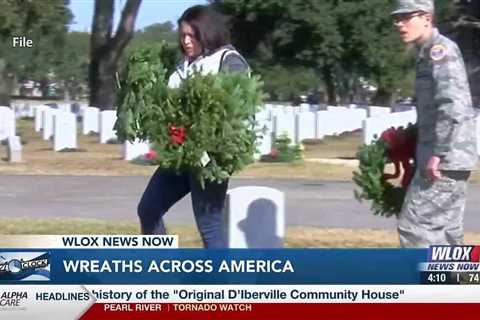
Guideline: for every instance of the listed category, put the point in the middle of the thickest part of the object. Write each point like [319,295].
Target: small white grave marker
[255,217]
[91,118]
[135,149]
[65,133]
[107,121]
[14,149]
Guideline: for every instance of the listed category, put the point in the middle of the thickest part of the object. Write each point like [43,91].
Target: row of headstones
[61,124]
[304,122]
[28,111]
[8,134]
[102,122]
[298,123]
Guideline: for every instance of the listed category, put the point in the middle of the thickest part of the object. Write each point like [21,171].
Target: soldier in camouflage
[446,148]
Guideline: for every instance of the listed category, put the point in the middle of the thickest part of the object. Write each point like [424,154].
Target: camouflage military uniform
[433,210]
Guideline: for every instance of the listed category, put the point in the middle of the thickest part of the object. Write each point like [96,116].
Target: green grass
[297,237]
[66,226]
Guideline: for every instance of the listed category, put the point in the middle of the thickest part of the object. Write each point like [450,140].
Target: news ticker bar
[211,302]
[261,311]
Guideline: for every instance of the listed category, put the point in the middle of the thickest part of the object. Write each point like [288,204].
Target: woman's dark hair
[209,27]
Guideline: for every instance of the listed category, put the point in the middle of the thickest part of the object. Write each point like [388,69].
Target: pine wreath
[396,145]
[206,126]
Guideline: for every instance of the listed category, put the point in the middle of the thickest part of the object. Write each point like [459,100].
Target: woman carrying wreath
[204,41]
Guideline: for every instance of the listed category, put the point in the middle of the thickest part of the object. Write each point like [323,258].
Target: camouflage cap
[407,6]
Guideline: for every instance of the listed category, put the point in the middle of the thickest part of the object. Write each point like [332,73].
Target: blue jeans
[166,188]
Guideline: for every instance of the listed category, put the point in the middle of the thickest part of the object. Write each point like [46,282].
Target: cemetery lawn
[93,158]
[344,146]
[297,237]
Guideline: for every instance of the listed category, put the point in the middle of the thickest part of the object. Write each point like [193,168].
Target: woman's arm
[234,63]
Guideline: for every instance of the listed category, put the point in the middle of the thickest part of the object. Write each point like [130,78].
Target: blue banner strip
[256,266]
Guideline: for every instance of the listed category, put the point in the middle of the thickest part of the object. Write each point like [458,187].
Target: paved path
[309,203]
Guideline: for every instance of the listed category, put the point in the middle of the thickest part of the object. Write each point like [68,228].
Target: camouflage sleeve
[450,98]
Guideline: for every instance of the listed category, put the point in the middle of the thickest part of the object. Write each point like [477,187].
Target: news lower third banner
[148,277]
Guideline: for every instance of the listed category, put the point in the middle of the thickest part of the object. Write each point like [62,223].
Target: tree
[372,48]
[268,34]
[154,33]
[106,49]
[343,42]
[43,22]
[71,73]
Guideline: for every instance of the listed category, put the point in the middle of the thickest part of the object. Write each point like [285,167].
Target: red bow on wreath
[150,155]
[401,145]
[177,135]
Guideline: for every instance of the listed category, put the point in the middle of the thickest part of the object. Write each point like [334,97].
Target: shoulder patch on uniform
[438,52]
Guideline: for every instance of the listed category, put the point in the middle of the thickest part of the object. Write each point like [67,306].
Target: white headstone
[305,126]
[290,109]
[14,149]
[31,111]
[107,121]
[47,122]
[336,108]
[17,110]
[255,217]
[25,111]
[135,149]
[65,107]
[264,114]
[7,123]
[352,119]
[304,107]
[264,143]
[81,111]
[91,118]
[38,121]
[65,131]
[328,123]
[284,123]
[374,111]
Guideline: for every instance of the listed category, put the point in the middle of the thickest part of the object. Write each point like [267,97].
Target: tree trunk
[383,97]
[5,90]
[102,83]
[105,50]
[330,85]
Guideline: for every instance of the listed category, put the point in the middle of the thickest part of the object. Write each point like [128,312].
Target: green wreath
[394,145]
[206,126]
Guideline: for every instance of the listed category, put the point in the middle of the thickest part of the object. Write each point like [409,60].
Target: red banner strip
[252,311]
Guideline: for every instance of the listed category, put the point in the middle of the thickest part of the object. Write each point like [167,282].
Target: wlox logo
[24,266]
[454,253]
